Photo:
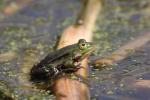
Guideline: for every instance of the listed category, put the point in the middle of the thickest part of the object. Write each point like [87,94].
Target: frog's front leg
[71,69]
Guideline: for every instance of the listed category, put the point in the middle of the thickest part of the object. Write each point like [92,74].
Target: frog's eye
[82,45]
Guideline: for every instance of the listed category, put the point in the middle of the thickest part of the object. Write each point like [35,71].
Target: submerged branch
[15,6]
[124,51]
[7,56]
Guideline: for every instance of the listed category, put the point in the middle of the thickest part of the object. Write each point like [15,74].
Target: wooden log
[65,88]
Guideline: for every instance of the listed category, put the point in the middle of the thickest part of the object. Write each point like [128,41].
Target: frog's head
[85,48]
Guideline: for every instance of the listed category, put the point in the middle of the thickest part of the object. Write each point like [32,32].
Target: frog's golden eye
[82,45]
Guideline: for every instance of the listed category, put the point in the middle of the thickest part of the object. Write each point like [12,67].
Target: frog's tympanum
[65,60]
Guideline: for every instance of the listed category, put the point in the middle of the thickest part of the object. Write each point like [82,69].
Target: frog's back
[51,57]
[38,70]
[54,56]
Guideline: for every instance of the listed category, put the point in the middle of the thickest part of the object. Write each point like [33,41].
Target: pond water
[31,33]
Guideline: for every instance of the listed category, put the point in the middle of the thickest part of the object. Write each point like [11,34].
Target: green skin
[65,60]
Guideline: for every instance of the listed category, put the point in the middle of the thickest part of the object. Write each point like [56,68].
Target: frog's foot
[79,67]
[56,74]
[56,71]
[80,79]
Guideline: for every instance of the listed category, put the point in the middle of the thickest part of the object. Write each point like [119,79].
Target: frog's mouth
[79,58]
[88,53]
[85,54]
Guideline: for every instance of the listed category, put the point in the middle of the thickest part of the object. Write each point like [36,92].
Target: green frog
[65,60]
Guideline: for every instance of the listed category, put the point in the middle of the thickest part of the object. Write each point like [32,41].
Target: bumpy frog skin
[65,60]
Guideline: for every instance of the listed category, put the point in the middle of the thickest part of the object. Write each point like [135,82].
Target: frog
[66,60]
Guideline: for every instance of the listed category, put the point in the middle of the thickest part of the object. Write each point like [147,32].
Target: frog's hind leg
[43,73]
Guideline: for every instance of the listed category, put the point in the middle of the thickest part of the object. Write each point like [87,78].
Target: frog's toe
[56,71]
